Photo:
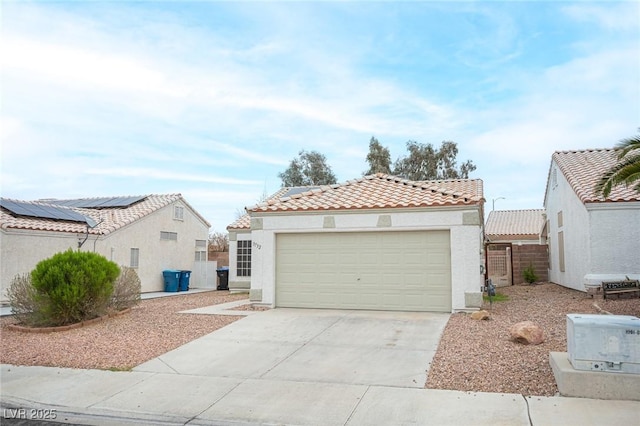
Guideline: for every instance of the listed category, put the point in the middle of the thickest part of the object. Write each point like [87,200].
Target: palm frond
[627,145]
[627,171]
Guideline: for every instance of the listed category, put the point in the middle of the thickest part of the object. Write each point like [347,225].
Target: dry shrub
[126,289]
[24,301]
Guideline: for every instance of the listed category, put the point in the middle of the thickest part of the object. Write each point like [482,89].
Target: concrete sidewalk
[283,366]
[95,397]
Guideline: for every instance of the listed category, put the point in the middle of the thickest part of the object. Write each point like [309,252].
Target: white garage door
[397,271]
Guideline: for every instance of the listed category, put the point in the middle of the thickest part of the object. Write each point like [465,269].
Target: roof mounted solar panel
[99,203]
[44,211]
[299,190]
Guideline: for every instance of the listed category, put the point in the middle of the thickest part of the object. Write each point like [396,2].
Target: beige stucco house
[591,238]
[375,243]
[150,233]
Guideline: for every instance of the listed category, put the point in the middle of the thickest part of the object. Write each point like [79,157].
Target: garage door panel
[375,270]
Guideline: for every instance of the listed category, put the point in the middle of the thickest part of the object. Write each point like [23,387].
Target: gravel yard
[479,356]
[472,356]
[152,328]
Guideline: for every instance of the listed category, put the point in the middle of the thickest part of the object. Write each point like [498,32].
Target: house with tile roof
[514,242]
[590,238]
[150,233]
[376,243]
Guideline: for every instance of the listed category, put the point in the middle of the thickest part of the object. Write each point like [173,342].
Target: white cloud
[246,154]
[163,174]
[82,68]
[614,16]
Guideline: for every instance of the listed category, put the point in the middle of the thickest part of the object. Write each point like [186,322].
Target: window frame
[168,236]
[134,257]
[178,212]
[243,258]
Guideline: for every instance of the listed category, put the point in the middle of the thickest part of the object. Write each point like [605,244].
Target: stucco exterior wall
[575,228]
[466,242]
[23,249]
[615,238]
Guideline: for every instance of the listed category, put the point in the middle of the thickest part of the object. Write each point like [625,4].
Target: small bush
[23,300]
[126,289]
[529,274]
[73,286]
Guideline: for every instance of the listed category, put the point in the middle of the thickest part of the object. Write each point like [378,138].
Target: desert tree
[308,169]
[424,162]
[379,158]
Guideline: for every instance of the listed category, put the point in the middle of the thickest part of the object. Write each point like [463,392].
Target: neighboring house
[514,242]
[590,238]
[149,233]
[378,243]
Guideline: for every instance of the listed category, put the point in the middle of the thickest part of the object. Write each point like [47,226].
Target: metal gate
[499,264]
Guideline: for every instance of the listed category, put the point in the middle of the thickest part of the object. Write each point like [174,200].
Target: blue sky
[213,99]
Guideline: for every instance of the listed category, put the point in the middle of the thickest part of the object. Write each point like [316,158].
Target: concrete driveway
[308,345]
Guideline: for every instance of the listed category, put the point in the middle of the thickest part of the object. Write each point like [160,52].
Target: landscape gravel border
[152,328]
[479,355]
[473,355]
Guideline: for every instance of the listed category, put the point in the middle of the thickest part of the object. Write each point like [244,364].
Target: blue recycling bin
[184,280]
[171,280]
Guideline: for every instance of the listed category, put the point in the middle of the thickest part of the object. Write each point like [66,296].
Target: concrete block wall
[222,257]
[530,254]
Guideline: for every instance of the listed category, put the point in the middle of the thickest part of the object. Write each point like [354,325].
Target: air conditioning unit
[608,343]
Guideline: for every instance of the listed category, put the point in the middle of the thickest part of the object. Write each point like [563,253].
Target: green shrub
[73,286]
[529,274]
[126,290]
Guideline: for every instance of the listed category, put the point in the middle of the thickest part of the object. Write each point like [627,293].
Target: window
[244,258]
[135,258]
[178,213]
[201,256]
[560,220]
[169,236]
[554,178]
[201,243]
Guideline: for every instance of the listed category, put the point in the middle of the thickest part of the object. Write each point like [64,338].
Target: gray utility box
[608,343]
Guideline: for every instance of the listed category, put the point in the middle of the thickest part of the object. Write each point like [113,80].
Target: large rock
[527,332]
[480,315]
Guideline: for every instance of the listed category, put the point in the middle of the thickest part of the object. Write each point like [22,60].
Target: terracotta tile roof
[515,224]
[108,219]
[583,169]
[379,191]
[243,222]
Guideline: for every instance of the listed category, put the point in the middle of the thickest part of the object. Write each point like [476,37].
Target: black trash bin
[223,278]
